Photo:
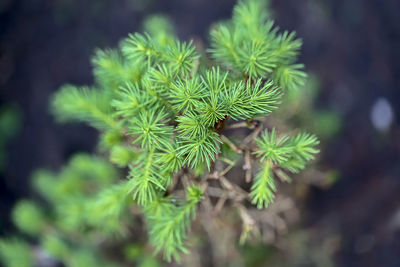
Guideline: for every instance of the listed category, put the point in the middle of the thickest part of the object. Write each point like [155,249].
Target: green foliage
[250,44]
[111,138]
[200,149]
[181,57]
[55,246]
[169,226]
[85,257]
[290,76]
[84,104]
[327,123]
[272,148]
[160,27]
[15,253]
[169,159]
[150,130]
[106,207]
[302,148]
[111,70]
[28,217]
[191,125]
[132,100]
[140,48]
[122,155]
[213,110]
[291,153]
[137,253]
[164,110]
[287,150]
[86,206]
[187,94]
[145,179]
[263,188]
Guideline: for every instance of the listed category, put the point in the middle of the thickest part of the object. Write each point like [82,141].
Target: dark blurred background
[352,46]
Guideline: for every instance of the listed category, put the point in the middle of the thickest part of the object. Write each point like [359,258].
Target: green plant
[172,115]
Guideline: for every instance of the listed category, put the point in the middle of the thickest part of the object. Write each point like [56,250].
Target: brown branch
[219,125]
[220,204]
[231,144]
[247,166]
[251,137]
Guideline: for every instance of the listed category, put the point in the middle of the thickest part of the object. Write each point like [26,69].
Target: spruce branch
[150,129]
[191,125]
[111,69]
[291,153]
[169,159]
[140,48]
[224,47]
[107,206]
[214,80]
[187,94]
[199,149]
[273,148]
[287,46]
[83,104]
[213,110]
[145,180]
[263,188]
[181,57]
[256,61]
[168,231]
[263,97]
[131,100]
[15,253]
[290,77]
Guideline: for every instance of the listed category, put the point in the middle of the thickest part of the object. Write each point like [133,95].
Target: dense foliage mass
[167,112]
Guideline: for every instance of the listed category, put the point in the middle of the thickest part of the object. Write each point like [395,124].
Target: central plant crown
[163,108]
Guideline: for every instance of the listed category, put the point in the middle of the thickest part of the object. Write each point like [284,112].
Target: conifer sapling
[169,113]
[170,103]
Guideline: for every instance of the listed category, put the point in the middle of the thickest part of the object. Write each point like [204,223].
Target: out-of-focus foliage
[298,108]
[15,253]
[28,217]
[86,204]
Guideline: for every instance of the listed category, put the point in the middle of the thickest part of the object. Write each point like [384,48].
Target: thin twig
[247,166]
[232,187]
[230,163]
[282,175]
[251,137]
[206,203]
[226,170]
[231,144]
[249,224]
[215,191]
[244,214]
[226,160]
[214,175]
[220,204]
[241,124]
